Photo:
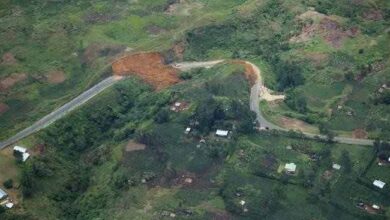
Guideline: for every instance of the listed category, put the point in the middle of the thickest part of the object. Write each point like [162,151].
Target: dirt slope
[148,66]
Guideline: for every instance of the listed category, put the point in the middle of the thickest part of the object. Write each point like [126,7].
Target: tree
[162,116]
[296,101]
[8,184]
[346,161]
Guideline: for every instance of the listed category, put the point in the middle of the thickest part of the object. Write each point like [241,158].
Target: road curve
[255,98]
[62,111]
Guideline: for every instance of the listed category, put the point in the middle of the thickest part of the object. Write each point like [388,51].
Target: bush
[8,184]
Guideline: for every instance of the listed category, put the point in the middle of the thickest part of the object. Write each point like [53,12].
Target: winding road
[258,92]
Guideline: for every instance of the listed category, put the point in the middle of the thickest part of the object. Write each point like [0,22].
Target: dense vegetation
[86,166]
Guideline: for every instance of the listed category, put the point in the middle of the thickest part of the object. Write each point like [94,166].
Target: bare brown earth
[134,146]
[373,14]
[11,80]
[250,74]
[295,124]
[8,59]
[56,77]
[327,27]
[150,67]
[359,133]
[3,108]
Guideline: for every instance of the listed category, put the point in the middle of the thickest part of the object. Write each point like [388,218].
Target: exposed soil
[327,27]
[360,133]
[3,108]
[8,59]
[8,82]
[134,146]
[294,124]
[150,67]
[56,77]
[179,49]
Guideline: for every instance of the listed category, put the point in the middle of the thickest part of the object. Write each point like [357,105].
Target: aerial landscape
[195,109]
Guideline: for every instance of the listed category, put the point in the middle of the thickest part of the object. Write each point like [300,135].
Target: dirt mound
[8,59]
[150,67]
[359,133]
[3,108]
[11,80]
[55,77]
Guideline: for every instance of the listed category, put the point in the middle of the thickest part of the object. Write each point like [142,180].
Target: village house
[188,130]
[22,151]
[3,195]
[336,166]
[378,183]
[222,133]
[290,168]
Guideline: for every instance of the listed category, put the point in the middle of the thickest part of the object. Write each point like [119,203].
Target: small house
[336,166]
[3,195]
[242,202]
[379,183]
[9,205]
[377,207]
[222,133]
[290,167]
[188,130]
[21,151]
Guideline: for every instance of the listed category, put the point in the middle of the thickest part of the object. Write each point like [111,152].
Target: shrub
[8,184]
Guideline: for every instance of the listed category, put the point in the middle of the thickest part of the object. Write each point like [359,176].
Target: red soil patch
[11,80]
[8,59]
[3,108]
[359,133]
[250,74]
[55,77]
[150,67]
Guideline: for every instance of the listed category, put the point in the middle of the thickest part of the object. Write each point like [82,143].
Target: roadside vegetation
[128,153]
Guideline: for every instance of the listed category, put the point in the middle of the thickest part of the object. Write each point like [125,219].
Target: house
[222,133]
[242,202]
[377,207]
[22,151]
[188,130]
[379,184]
[3,195]
[336,166]
[290,167]
[9,205]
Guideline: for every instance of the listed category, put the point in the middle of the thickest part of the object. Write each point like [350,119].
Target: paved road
[62,111]
[255,99]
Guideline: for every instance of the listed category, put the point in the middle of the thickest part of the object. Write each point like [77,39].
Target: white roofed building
[222,133]
[290,167]
[23,152]
[379,183]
